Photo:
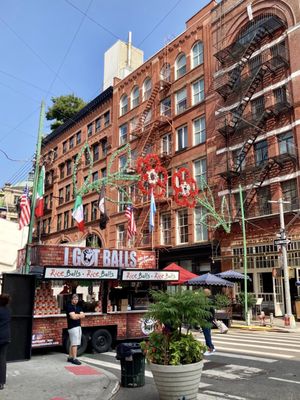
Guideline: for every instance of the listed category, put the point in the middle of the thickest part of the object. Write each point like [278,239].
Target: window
[95,176]
[93,240]
[199,130]
[165,107]
[181,101]
[104,147]
[165,73]
[166,229]
[55,154]
[183,227]
[135,97]
[280,95]
[90,130]
[94,211]
[66,220]
[64,147]
[46,203]
[146,237]
[198,91]
[257,107]
[238,159]
[180,65]
[106,117]
[290,194]
[121,241]
[286,143]
[50,201]
[71,142]
[197,54]
[96,152]
[60,196]
[122,161]
[182,138]
[68,193]
[103,172]
[148,117]
[263,196]
[98,124]
[200,228]
[169,190]
[166,144]
[123,199]
[133,124]
[123,134]
[123,104]
[59,221]
[69,167]
[78,137]
[254,64]
[261,152]
[85,213]
[200,172]
[147,87]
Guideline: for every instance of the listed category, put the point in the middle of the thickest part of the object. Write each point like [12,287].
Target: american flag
[25,209]
[131,227]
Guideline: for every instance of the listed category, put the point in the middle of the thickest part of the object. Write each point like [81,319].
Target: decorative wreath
[185,188]
[153,176]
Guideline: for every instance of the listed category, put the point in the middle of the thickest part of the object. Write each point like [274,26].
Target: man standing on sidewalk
[74,316]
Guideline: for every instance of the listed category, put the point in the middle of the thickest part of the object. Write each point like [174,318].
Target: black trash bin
[132,364]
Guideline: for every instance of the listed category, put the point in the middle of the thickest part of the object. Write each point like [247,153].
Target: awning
[184,274]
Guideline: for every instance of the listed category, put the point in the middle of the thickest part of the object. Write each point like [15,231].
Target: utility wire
[11,159]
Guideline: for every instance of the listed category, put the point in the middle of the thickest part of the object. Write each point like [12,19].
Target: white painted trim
[265,183]
[252,358]
[284,380]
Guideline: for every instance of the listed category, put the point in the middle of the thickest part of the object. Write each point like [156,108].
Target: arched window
[123,104]
[197,54]
[135,97]
[147,87]
[180,65]
[93,241]
[165,73]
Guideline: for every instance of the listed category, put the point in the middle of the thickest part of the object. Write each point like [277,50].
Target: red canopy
[184,274]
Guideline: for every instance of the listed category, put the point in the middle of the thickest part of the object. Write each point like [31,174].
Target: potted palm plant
[175,356]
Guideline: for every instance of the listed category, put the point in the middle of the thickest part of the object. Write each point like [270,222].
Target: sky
[51,48]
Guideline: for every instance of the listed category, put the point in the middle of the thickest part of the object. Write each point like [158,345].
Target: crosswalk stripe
[267,341]
[250,358]
[284,380]
[235,350]
[261,339]
[257,346]
[295,336]
[224,395]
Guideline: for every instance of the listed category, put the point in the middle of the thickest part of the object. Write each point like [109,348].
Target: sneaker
[75,361]
[209,352]
[70,359]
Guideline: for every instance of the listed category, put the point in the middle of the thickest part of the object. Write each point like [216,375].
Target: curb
[259,328]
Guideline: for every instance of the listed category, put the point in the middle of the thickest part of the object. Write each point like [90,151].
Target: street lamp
[283,243]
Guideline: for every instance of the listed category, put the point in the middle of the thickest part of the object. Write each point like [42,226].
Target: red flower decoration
[185,188]
[153,176]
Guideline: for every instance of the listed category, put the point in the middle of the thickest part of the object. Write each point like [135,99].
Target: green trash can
[132,364]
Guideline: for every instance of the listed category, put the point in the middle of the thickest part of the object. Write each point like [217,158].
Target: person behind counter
[5,317]
[74,317]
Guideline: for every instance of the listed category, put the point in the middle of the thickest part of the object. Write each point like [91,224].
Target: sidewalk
[49,377]
[276,326]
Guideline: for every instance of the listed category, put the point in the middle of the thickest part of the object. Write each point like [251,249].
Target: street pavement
[250,363]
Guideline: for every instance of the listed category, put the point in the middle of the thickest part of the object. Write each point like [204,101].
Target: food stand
[123,276]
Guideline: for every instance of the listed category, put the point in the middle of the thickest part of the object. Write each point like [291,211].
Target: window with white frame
[197,54]
[181,101]
[261,152]
[123,199]
[200,229]
[121,241]
[200,172]
[198,91]
[133,124]
[180,65]
[148,117]
[182,138]
[123,104]
[147,87]
[286,143]
[199,130]
[290,193]
[166,229]
[165,107]
[123,134]
[238,160]
[166,144]
[122,161]
[183,227]
[165,72]
[135,96]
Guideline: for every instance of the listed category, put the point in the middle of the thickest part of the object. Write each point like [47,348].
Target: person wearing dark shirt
[74,317]
[5,318]
[207,330]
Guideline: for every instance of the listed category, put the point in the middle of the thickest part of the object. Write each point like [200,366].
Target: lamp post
[283,244]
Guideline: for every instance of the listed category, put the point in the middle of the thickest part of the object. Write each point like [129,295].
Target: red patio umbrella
[184,274]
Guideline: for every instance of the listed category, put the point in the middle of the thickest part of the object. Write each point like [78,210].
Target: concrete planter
[175,382]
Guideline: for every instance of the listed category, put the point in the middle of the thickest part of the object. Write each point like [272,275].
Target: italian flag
[39,205]
[78,213]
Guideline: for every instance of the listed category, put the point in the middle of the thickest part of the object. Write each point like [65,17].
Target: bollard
[271,319]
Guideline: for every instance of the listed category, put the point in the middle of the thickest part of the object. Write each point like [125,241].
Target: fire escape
[151,122]
[246,68]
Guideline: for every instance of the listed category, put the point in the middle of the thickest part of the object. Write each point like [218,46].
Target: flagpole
[34,189]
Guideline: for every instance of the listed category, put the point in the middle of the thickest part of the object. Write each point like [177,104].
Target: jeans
[3,350]
[207,335]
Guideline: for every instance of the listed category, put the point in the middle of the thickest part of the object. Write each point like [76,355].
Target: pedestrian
[207,330]
[74,317]
[5,317]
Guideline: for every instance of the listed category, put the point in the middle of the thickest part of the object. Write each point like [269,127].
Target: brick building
[221,99]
